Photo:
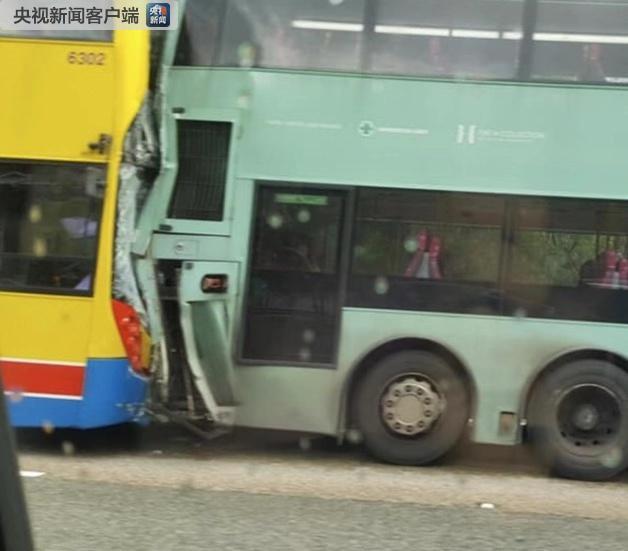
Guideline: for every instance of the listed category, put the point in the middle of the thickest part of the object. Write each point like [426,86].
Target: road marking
[31,474]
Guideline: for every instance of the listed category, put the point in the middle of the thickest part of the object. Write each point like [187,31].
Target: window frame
[501,252]
[169,134]
[55,291]
[345,245]
[504,284]
[187,126]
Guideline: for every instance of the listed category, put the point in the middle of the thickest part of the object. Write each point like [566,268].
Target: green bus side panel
[503,355]
[358,130]
[288,398]
[331,129]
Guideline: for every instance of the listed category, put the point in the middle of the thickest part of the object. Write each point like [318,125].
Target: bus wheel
[578,420]
[411,408]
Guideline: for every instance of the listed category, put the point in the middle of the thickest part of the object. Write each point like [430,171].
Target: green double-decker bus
[396,221]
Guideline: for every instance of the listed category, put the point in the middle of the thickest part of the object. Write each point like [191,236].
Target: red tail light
[130,328]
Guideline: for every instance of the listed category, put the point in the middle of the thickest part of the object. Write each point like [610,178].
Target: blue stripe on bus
[39,412]
[112,394]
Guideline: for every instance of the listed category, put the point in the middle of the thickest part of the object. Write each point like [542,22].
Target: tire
[380,439]
[566,436]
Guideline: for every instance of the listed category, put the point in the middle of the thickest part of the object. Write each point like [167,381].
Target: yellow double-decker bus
[72,348]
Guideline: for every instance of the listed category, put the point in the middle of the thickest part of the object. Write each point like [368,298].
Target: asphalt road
[173,492]
[73,515]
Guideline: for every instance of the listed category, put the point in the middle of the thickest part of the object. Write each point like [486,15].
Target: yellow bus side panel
[55,99]
[90,88]
[132,51]
[62,337]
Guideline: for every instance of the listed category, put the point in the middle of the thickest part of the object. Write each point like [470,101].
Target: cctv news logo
[158,15]
[81,15]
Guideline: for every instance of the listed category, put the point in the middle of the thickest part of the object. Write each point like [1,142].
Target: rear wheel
[411,407]
[578,420]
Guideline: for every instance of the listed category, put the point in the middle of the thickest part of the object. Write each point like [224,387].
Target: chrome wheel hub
[411,406]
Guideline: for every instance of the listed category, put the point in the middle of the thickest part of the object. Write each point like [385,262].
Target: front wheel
[578,420]
[411,407]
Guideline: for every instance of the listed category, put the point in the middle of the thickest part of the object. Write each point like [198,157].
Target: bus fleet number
[86,58]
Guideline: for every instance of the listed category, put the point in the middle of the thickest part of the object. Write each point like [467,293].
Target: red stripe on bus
[42,378]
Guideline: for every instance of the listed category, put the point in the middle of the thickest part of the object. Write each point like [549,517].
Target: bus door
[206,298]
[293,297]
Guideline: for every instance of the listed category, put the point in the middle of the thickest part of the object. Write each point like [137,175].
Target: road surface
[251,493]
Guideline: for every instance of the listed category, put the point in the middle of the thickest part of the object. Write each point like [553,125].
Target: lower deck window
[420,250]
[486,254]
[568,259]
[49,221]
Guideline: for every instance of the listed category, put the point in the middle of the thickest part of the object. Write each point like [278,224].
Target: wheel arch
[381,350]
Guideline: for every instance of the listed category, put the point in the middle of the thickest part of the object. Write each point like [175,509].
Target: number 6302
[86,58]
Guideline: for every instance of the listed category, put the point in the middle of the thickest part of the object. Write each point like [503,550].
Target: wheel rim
[589,418]
[411,405]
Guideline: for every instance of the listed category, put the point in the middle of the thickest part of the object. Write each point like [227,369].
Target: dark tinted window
[199,37]
[427,250]
[568,259]
[581,41]
[568,40]
[293,34]
[292,303]
[460,38]
[562,259]
[49,219]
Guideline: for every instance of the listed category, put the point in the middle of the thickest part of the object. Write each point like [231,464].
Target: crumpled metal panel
[139,154]
[124,283]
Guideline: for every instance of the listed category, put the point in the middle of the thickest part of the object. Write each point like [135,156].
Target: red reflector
[130,329]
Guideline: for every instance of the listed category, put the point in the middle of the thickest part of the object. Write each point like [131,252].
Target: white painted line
[31,474]
[16,394]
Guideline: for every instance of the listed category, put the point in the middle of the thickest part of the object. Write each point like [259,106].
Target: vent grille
[199,192]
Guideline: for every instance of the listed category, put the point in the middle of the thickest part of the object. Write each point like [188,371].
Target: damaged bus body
[376,225]
[74,353]
[352,239]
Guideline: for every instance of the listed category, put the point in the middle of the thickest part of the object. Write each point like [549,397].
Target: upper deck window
[452,38]
[290,34]
[79,35]
[580,41]
[584,41]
